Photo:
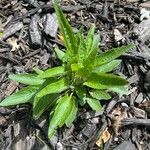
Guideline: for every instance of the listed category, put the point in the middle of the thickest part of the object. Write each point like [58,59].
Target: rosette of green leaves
[83,78]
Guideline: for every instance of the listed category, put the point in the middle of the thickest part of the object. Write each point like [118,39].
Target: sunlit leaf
[52,72]
[52,88]
[107,67]
[23,96]
[89,61]
[37,70]
[61,113]
[76,66]
[66,30]
[89,39]
[60,54]
[28,79]
[94,104]
[81,46]
[111,54]
[72,114]
[104,81]
[81,93]
[100,94]
[121,90]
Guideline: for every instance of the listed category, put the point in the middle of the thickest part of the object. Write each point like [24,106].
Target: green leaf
[28,79]
[81,93]
[99,94]
[104,81]
[43,103]
[121,90]
[83,72]
[66,30]
[60,54]
[81,46]
[37,70]
[60,115]
[94,104]
[107,67]
[23,96]
[47,82]
[90,60]
[111,54]
[76,66]
[52,88]
[52,72]
[72,114]
[89,39]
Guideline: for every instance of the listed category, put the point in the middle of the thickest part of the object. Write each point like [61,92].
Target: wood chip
[11,88]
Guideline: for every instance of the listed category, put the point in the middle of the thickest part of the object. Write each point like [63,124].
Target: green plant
[83,78]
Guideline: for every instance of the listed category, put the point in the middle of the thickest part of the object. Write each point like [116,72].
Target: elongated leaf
[37,70]
[28,79]
[110,79]
[38,100]
[42,104]
[84,72]
[104,81]
[90,60]
[61,113]
[72,114]
[67,32]
[107,67]
[52,88]
[82,52]
[89,39]
[23,96]
[60,54]
[52,72]
[81,93]
[100,94]
[121,90]
[111,54]
[94,104]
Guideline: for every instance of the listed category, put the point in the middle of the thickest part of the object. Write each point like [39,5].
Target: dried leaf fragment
[13,42]
[104,137]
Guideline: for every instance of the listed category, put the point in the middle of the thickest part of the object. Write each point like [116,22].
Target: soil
[28,34]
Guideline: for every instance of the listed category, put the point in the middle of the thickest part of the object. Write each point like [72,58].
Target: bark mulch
[28,34]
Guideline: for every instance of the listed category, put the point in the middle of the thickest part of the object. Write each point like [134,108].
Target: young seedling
[83,78]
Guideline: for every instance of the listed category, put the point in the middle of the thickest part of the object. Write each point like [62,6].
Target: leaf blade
[60,54]
[52,72]
[121,90]
[23,96]
[28,79]
[94,104]
[66,29]
[61,112]
[53,88]
[104,81]
[72,114]
[81,46]
[111,54]
[42,104]
[90,60]
[106,67]
[89,39]
[100,94]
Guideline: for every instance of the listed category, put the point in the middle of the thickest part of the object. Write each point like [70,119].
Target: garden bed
[28,34]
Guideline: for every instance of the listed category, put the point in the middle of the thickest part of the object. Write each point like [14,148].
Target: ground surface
[29,33]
